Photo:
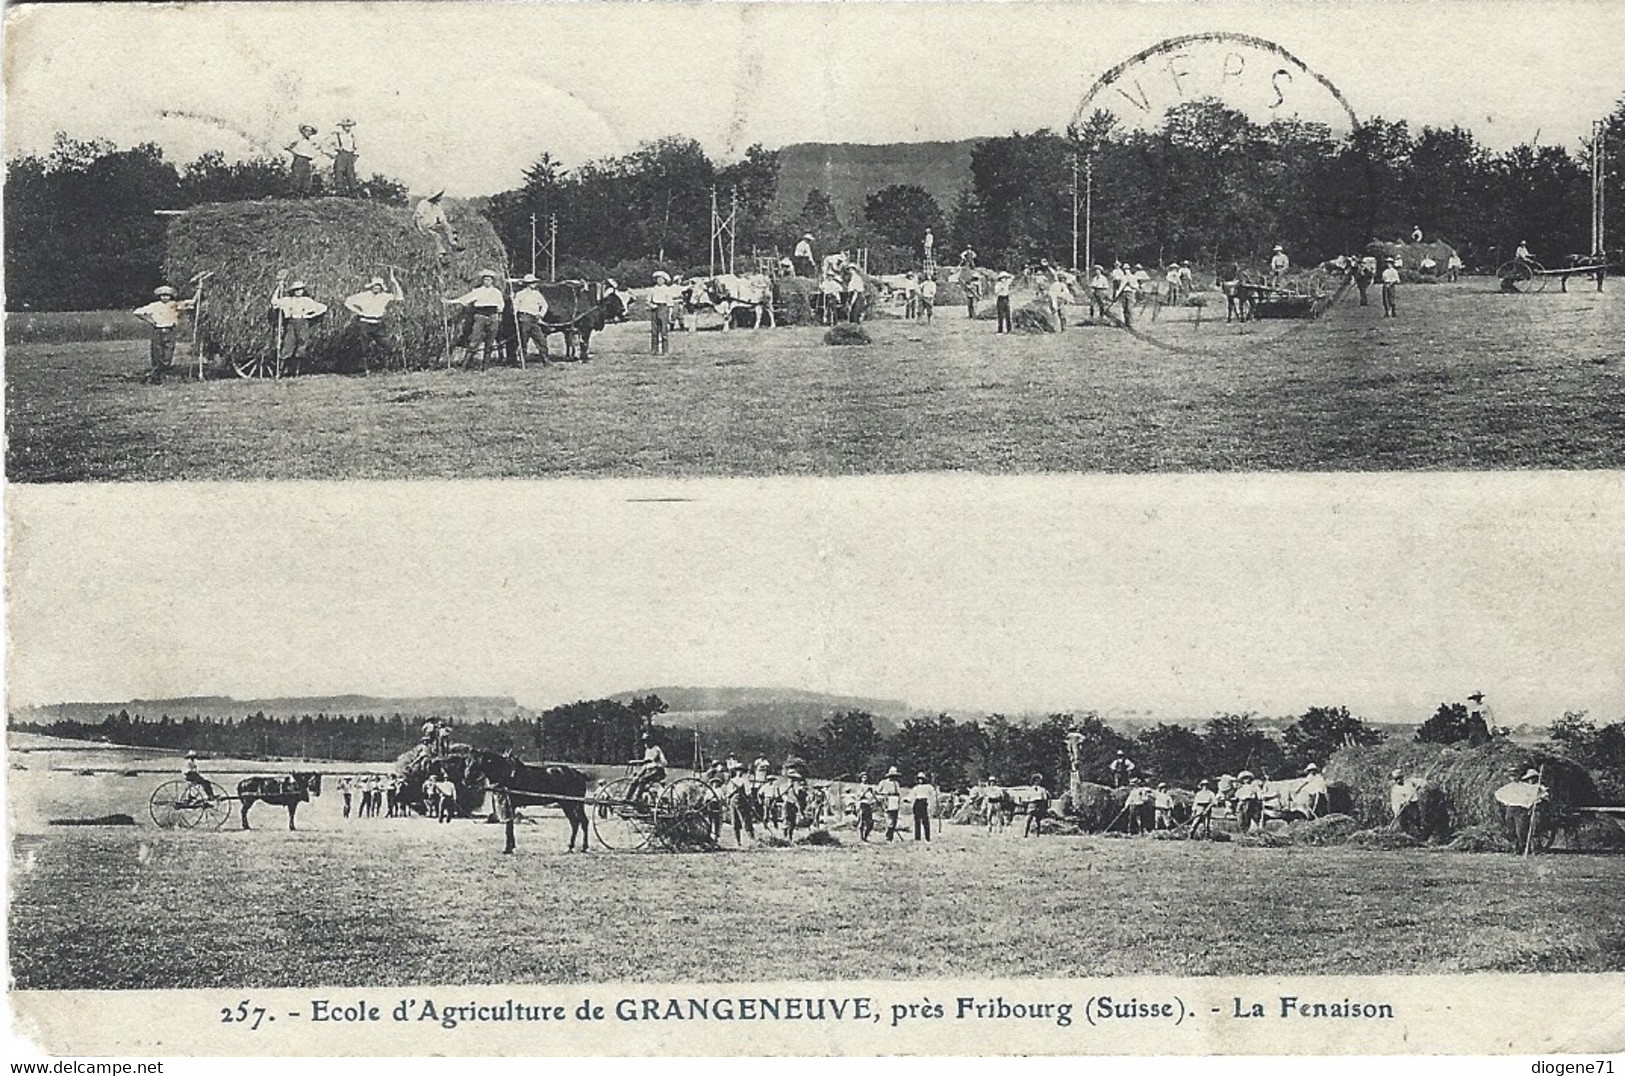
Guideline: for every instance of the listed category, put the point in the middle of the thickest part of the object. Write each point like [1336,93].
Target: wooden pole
[1074,210]
[1529,837]
[553,248]
[533,244]
[1088,210]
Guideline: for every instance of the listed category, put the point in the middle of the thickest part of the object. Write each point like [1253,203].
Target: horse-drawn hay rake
[182,804]
[1525,276]
[681,815]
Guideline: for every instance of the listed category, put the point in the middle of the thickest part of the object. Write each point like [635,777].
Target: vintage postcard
[815,529]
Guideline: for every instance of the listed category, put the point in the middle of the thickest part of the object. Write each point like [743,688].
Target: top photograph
[367,241]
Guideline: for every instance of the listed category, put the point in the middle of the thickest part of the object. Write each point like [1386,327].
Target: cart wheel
[618,823]
[1518,276]
[179,805]
[255,368]
[1318,282]
[688,815]
[218,809]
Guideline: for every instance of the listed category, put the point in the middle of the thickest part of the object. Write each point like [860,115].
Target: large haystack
[794,296]
[335,245]
[1094,806]
[419,764]
[1463,779]
[1411,255]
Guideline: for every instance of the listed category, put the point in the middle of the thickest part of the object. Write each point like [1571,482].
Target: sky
[466,95]
[1176,596]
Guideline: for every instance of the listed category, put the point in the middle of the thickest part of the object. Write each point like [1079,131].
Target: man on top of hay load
[485,302]
[163,314]
[430,217]
[296,311]
[344,155]
[305,151]
[529,308]
[369,308]
[803,260]
[1279,264]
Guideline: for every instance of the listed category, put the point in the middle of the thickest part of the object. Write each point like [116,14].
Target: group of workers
[339,148]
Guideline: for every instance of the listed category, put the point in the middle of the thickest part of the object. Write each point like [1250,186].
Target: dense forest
[1207,185]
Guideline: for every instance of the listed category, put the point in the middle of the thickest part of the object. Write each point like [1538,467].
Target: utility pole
[1599,170]
[1088,210]
[1074,210]
[553,247]
[533,244]
[733,236]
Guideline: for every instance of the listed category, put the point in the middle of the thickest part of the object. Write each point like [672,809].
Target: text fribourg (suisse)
[1093,1010]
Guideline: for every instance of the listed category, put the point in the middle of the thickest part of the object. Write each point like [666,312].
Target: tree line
[1207,185]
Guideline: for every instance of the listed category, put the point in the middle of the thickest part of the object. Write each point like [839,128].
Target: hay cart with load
[1305,297]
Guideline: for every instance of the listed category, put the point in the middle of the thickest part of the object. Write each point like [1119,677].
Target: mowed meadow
[409,901]
[1465,378]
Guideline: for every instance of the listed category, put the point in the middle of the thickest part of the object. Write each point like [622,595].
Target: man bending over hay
[369,308]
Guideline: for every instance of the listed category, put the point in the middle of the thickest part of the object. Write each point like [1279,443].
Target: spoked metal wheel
[256,368]
[688,815]
[1519,276]
[184,805]
[619,824]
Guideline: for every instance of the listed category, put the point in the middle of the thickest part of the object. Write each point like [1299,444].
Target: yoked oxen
[514,784]
[287,791]
[730,292]
[576,308]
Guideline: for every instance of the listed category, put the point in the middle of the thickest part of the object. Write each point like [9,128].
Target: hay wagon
[1305,298]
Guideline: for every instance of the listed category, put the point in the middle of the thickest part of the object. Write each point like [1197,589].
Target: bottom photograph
[950,761]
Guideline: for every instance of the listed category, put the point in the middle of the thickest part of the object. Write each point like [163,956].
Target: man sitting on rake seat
[189,771]
[651,768]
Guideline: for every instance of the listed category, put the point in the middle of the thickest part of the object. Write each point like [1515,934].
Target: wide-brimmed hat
[162,290]
[528,278]
[1277,246]
[1204,783]
[1477,696]
[437,195]
[1245,775]
[297,285]
[306,129]
[1311,768]
[894,772]
[191,754]
[1396,775]
[660,274]
[376,282]
[347,122]
[1531,773]
[492,273]
[920,777]
[807,235]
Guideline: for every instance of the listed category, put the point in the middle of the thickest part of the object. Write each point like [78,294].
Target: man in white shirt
[1001,302]
[344,156]
[1522,253]
[369,308]
[1390,285]
[890,793]
[651,768]
[163,314]
[924,797]
[1279,264]
[529,308]
[1122,770]
[1100,292]
[663,296]
[484,302]
[1059,295]
[1202,806]
[296,313]
[1453,268]
[304,150]
[930,246]
[430,217]
[854,297]
[1124,289]
[736,801]
[928,296]
[805,263]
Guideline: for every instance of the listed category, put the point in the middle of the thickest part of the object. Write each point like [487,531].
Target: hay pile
[793,296]
[335,245]
[843,335]
[1410,257]
[1094,806]
[1327,829]
[418,764]
[1387,840]
[1464,779]
[1481,839]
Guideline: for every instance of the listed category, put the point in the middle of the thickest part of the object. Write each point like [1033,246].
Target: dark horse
[525,785]
[287,792]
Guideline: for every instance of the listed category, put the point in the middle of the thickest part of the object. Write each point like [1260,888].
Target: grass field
[385,902]
[1465,379]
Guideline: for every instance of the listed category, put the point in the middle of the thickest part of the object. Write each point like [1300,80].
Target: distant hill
[763,710]
[466,707]
[849,172]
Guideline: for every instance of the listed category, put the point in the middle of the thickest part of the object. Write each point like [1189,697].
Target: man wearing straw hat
[662,297]
[890,793]
[529,308]
[924,795]
[806,265]
[305,151]
[485,303]
[1279,264]
[1001,301]
[1390,289]
[430,217]
[1519,800]
[163,314]
[369,308]
[344,156]
[297,312]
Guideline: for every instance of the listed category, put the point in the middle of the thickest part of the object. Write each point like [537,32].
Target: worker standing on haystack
[305,150]
[344,155]
[430,217]
[298,313]
[1390,289]
[529,308]
[370,308]
[1520,800]
[162,314]
[930,248]
[1416,233]
[1480,725]
[1122,770]
[484,302]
